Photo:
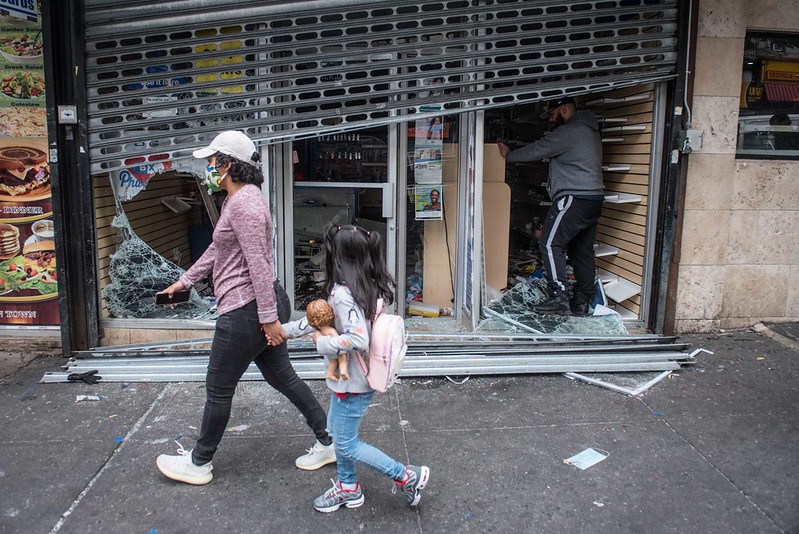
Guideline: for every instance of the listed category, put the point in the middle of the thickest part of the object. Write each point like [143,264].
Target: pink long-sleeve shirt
[240,256]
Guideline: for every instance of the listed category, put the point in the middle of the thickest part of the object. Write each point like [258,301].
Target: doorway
[338,178]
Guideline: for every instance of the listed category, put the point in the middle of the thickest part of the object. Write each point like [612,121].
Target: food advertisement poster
[28,280]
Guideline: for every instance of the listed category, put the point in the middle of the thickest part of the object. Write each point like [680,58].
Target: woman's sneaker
[416,478]
[180,467]
[318,456]
[337,496]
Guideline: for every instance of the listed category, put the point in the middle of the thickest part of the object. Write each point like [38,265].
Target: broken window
[137,273]
[513,312]
[162,222]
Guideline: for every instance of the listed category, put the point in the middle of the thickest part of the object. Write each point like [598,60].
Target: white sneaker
[182,468]
[319,455]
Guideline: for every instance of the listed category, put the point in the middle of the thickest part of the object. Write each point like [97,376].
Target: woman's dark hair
[241,172]
[354,257]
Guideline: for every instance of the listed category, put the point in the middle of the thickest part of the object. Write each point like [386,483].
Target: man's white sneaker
[318,456]
[181,467]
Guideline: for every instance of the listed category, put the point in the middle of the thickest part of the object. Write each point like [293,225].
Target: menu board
[28,279]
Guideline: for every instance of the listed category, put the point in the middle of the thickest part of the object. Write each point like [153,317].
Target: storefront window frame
[764,132]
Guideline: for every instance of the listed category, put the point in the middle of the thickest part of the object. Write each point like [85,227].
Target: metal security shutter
[163,77]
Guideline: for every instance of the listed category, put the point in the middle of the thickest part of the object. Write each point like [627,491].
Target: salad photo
[22,46]
[23,85]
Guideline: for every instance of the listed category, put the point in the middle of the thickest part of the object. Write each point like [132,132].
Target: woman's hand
[177,286]
[171,290]
[274,333]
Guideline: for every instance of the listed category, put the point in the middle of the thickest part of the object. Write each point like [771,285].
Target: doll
[319,315]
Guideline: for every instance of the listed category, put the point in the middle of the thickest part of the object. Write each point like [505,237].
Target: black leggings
[238,341]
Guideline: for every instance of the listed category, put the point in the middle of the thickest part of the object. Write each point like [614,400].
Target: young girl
[356,278]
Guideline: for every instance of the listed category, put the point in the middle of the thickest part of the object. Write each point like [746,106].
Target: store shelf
[617,288]
[625,128]
[626,314]
[603,249]
[623,198]
[617,167]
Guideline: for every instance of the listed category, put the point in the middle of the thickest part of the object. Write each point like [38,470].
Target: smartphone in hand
[177,297]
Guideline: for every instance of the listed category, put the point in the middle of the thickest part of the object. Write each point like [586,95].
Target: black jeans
[570,227]
[238,341]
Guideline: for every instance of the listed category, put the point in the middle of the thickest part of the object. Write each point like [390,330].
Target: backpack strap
[358,357]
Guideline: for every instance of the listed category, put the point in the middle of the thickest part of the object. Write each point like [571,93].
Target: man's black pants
[570,228]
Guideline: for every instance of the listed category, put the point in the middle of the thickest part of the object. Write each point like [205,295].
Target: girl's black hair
[354,257]
[241,172]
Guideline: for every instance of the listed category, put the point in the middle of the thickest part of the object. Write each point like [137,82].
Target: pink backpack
[387,348]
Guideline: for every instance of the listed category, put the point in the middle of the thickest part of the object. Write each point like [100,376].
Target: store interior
[339,178]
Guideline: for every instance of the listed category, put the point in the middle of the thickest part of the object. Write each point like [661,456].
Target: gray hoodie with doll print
[575,157]
[354,331]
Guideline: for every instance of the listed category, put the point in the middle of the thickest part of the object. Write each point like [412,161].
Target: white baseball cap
[233,143]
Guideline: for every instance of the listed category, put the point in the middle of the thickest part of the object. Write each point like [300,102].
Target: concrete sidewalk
[711,450]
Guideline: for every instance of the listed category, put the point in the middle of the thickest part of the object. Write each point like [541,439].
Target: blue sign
[20,8]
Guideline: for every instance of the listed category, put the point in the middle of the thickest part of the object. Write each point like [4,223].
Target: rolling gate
[165,77]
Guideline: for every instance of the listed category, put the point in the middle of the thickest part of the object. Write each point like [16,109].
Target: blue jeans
[343,420]
[239,341]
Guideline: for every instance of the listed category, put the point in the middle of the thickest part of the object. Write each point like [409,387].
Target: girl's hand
[274,333]
[323,331]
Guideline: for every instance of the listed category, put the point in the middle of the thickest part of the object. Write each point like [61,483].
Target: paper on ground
[586,459]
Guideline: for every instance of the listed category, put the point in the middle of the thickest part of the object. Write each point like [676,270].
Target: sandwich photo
[22,169]
[39,256]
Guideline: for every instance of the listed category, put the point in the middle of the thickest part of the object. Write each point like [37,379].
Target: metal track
[193,368]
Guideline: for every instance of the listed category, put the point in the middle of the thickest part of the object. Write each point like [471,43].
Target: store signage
[19,8]
[129,182]
[781,71]
[752,94]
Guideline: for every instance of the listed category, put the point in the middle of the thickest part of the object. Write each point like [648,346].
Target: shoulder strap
[358,357]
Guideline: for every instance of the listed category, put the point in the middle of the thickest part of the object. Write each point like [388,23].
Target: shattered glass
[513,313]
[137,273]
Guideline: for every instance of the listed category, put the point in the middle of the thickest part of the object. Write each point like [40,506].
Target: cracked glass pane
[137,273]
[513,312]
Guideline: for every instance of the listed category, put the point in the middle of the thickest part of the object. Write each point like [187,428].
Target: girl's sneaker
[337,496]
[416,478]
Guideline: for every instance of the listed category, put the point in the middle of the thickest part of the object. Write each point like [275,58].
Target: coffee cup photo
[43,230]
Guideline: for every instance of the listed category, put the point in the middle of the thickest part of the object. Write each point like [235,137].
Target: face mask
[213,179]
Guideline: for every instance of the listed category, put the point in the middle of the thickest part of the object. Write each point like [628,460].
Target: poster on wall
[28,279]
[428,146]
[428,202]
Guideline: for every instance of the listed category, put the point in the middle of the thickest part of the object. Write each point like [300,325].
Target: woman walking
[240,260]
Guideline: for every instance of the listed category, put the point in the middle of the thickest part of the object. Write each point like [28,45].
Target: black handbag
[283,303]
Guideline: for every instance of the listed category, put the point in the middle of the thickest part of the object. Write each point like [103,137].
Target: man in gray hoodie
[574,150]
